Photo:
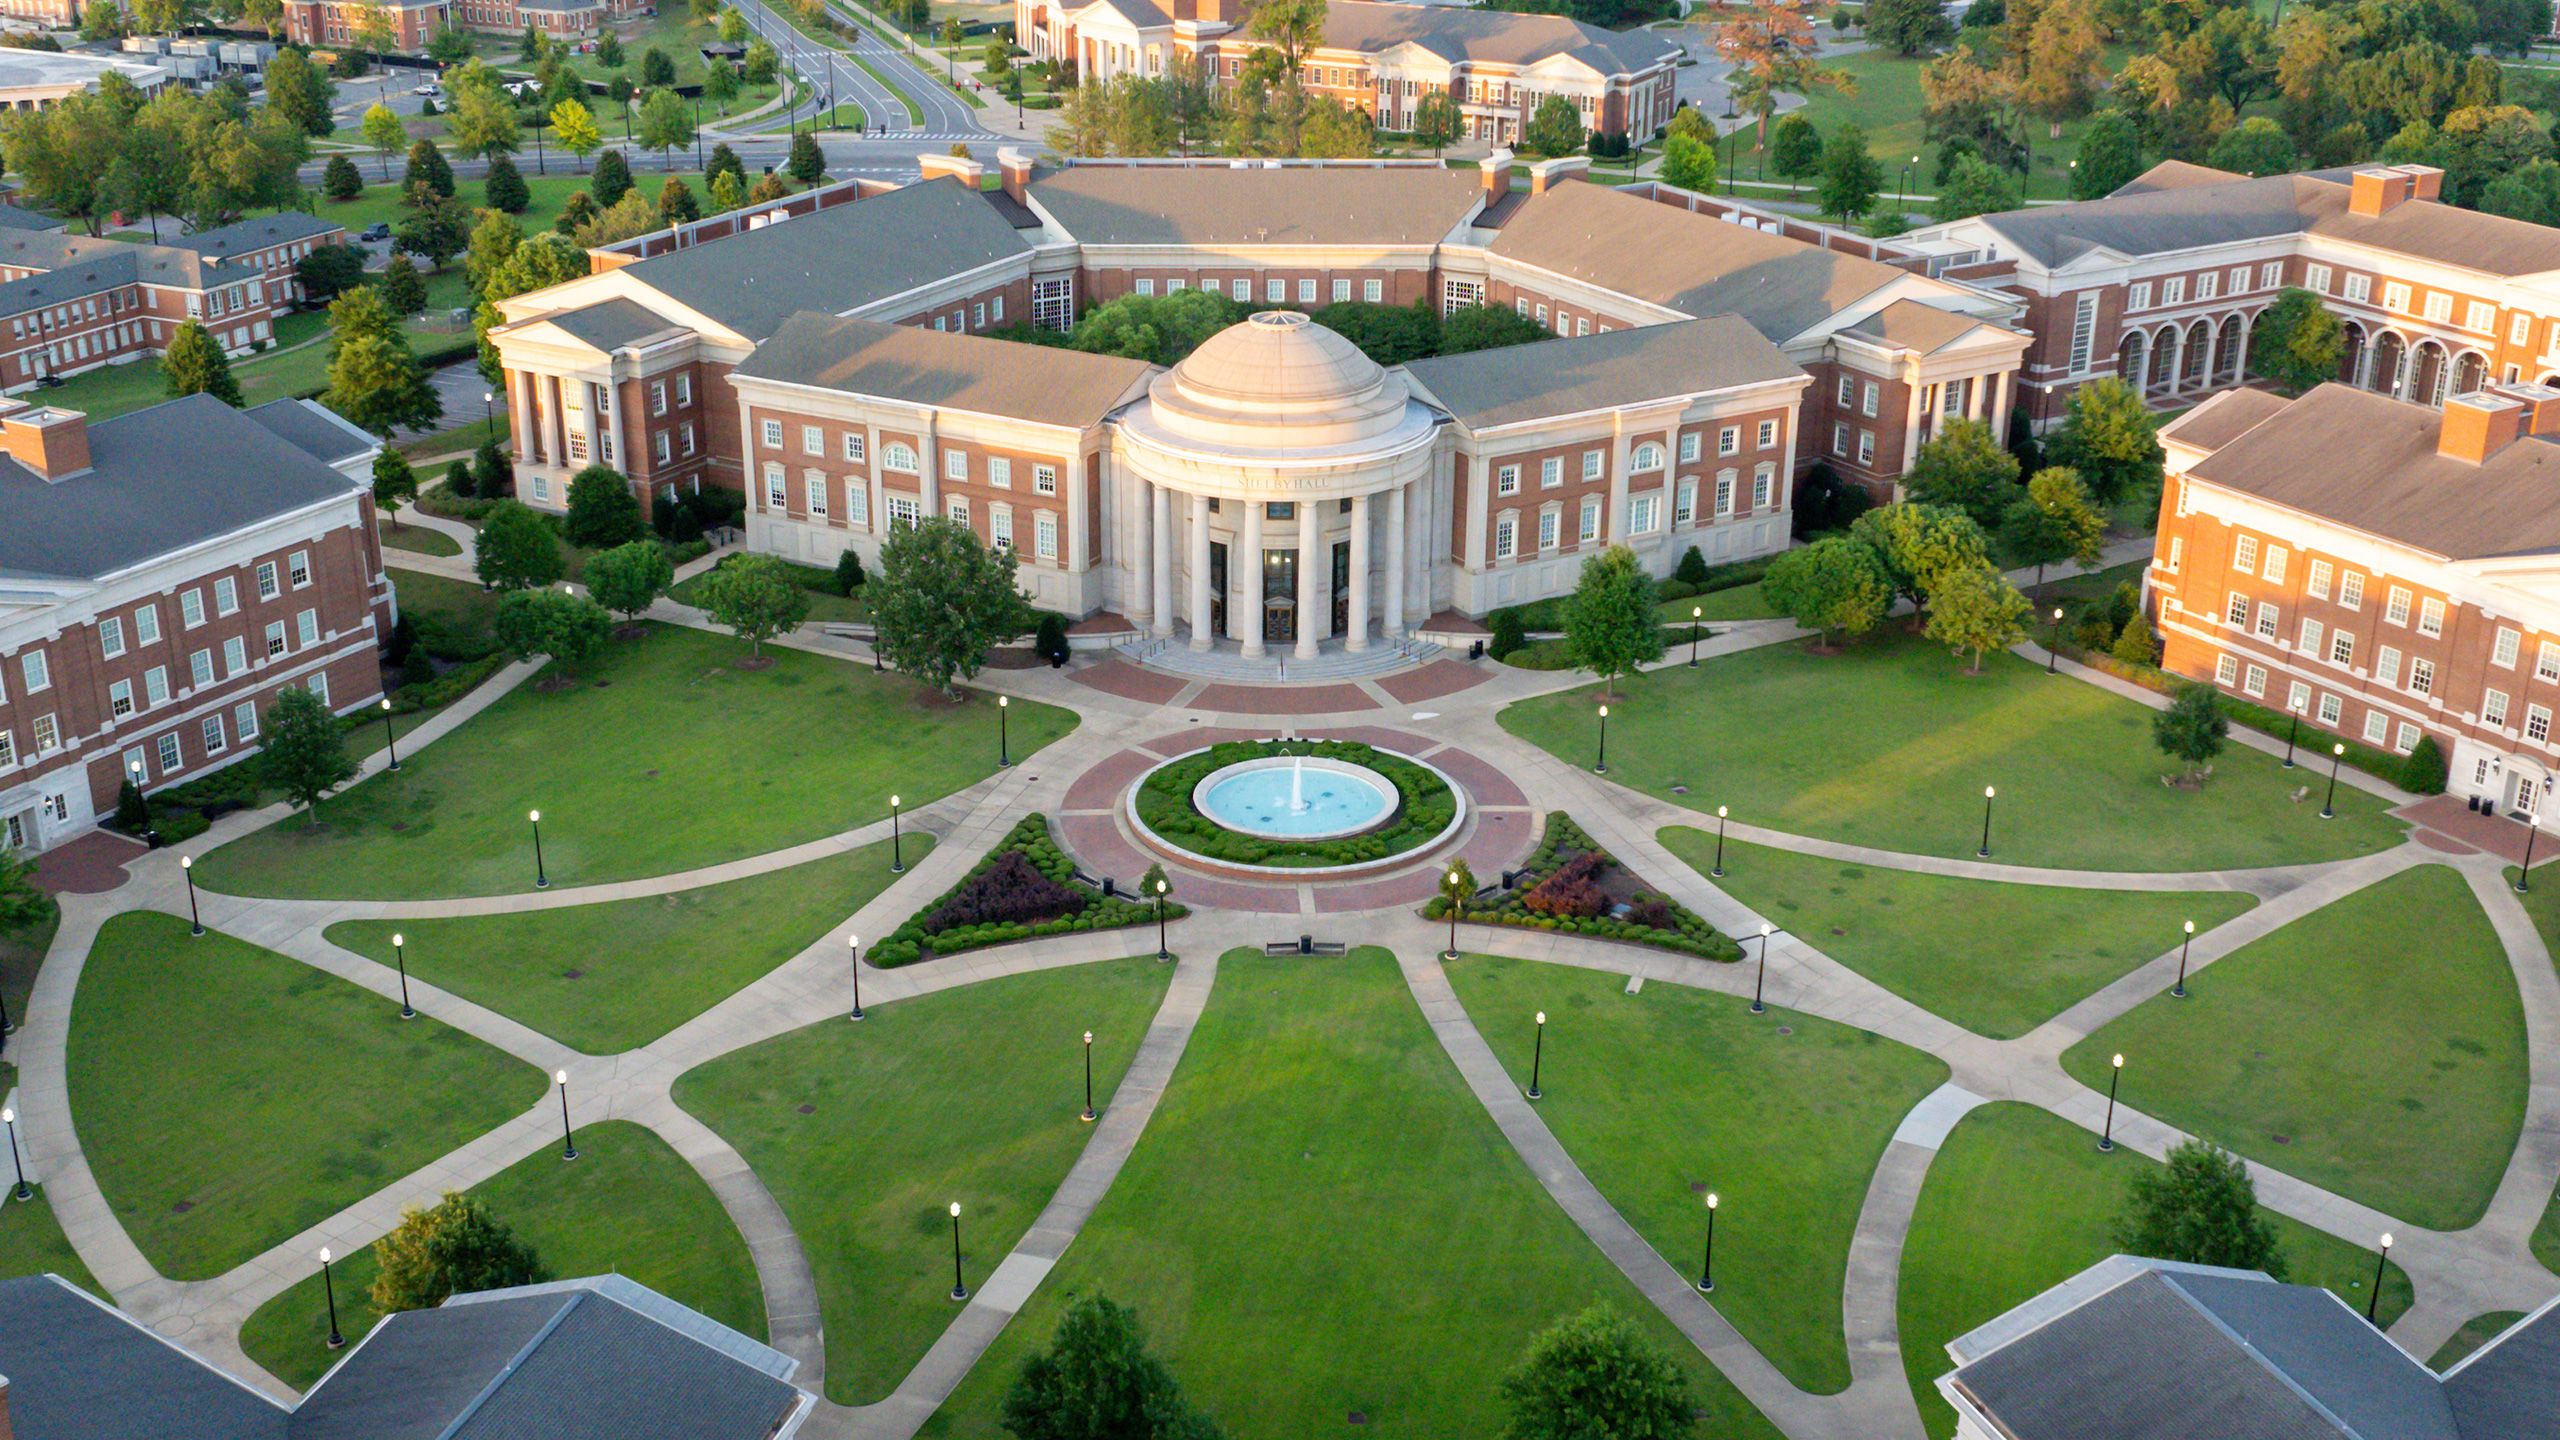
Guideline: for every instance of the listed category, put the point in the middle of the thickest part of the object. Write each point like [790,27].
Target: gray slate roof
[1688,262]
[18,217]
[1252,205]
[1484,388]
[80,1371]
[608,325]
[314,429]
[546,1363]
[836,260]
[933,367]
[257,234]
[160,479]
[2511,1386]
[2369,462]
[54,250]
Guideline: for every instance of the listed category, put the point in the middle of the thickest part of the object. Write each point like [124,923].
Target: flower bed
[1572,886]
[1425,806]
[1022,888]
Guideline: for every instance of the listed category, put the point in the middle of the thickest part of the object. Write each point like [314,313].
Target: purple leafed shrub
[1573,890]
[1010,891]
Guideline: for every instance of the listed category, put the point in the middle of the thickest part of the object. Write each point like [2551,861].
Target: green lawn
[1664,1092]
[613,977]
[663,757]
[2374,1047]
[418,540]
[458,604]
[1741,602]
[1997,959]
[2019,1201]
[32,1243]
[2477,1331]
[382,202]
[1321,1220]
[866,1132]
[228,1097]
[629,1205]
[1887,106]
[825,605]
[1890,743]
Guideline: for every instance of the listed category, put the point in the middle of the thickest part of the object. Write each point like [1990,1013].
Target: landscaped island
[1422,809]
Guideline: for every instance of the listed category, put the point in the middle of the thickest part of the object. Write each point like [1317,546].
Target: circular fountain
[1295,797]
[1272,809]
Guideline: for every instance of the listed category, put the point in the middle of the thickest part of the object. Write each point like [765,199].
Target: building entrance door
[1279,597]
[1341,587]
[1217,587]
[2527,801]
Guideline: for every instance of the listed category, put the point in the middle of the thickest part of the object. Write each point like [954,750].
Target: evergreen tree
[493,475]
[195,365]
[1851,177]
[339,180]
[505,187]
[725,194]
[1097,1381]
[808,164]
[306,752]
[2192,729]
[656,70]
[2201,1209]
[609,51]
[578,211]
[676,205]
[427,166]
[725,161]
[612,179]
[404,290]
[1795,151]
[769,188]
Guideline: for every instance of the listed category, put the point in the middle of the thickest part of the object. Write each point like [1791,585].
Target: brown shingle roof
[931,367]
[2369,462]
[1247,204]
[1914,326]
[1513,383]
[1498,37]
[1691,263]
[2224,418]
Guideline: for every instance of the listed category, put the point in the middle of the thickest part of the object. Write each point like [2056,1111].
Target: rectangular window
[2139,297]
[169,757]
[2273,571]
[1689,446]
[955,464]
[1506,480]
[2396,610]
[1044,479]
[2407,740]
[2439,307]
[244,719]
[2351,590]
[275,639]
[1642,513]
[48,734]
[2266,620]
[2270,275]
[1275,291]
[1866,447]
[657,397]
[1685,506]
[1341,291]
[2244,553]
[903,510]
[2546,662]
[2177,552]
[1729,440]
[2173,290]
[2084,329]
[2235,610]
[777,496]
[267,588]
[38,671]
[813,440]
[1867,400]
[1044,532]
[190,608]
[814,490]
[2504,653]
[1724,493]
[2431,616]
[1763,484]
[2422,675]
[1591,464]
[155,684]
[2386,666]
[2315,278]
[2330,710]
[2493,708]
[1000,526]
[235,655]
[2226,671]
[1306,292]
[2376,727]
[200,669]
[120,699]
[2342,649]
[214,740]
[2298,698]
[857,501]
[319,685]
[1590,521]
[2316,583]
[1550,472]
[955,508]
[226,596]
[1768,434]
[684,390]
[1848,392]
[1146,287]
[2309,640]
[1550,528]
[111,637]
[853,447]
[2359,288]
[1839,439]
[2481,317]
[2256,684]
[1506,536]
[2537,723]
[2208,285]
[1373,291]
[2395,296]
[773,434]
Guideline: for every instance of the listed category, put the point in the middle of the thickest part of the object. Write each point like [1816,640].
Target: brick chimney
[1497,174]
[53,443]
[2379,190]
[1015,166]
[1545,175]
[952,167]
[2480,425]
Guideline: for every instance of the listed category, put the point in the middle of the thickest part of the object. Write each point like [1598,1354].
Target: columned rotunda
[1279,477]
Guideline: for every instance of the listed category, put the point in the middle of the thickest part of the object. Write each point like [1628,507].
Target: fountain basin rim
[1240,870]
[1389,797]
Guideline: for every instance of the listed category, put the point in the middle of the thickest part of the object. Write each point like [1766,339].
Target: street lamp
[853,949]
[390,741]
[1088,1077]
[2532,830]
[2292,729]
[400,957]
[2373,1301]
[195,917]
[2115,1076]
[2329,806]
[897,860]
[1707,1267]
[2180,989]
[1457,900]
[2053,640]
[1906,182]
[1161,952]
[10,1119]
[1004,733]
[541,876]
[959,1290]
[1760,986]
[329,1288]
[1538,1056]
[1600,762]
[1697,613]
[1718,872]
[1987,793]
[489,414]
[568,1137]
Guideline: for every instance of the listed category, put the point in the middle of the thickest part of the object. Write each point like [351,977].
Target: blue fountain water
[1259,801]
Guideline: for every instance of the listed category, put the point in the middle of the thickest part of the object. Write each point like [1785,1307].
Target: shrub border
[1174,850]
[911,942]
[1560,838]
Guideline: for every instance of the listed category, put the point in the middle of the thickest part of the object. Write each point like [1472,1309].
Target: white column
[1357,637]
[1244,609]
[1393,619]
[612,407]
[1973,386]
[1314,565]
[1911,423]
[2001,385]
[1418,556]
[1159,556]
[1202,637]
[1615,526]
[556,415]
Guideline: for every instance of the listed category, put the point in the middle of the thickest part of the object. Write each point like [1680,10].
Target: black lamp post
[195,917]
[959,1289]
[1905,190]
[329,1288]
[400,957]
[1457,900]
[853,953]
[24,1191]
[1697,614]
[1718,872]
[1600,762]
[1985,850]
[489,415]
[2053,640]
[2532,830]
[2180,989]
[1707,1266]
[541,876]
[390,741]
[1538,1056]
[2373,1302]
[568,1137]
[2329,806]
[1161,952]
[1759,986]
[2292,730]
[2115,1076]
[897,859]
[1088,1077]
[1004,733]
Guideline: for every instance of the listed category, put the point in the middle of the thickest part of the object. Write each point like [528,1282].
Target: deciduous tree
[602,510]
[1554,128]
[2192,729]
[2255,146]
[517,549]
[941,599]
[574,126]
[2054,521]
[1918,543]
[1850,176]
[1596,1376]
[404,290]
[457,1247]
[1435,121]
[2108,435]
[1908,27]
[394,483]
[629,578]
[1795,151]
[2109,158]
[1972,187]
[1963,467]
[1610,623]
[545,621]
[374,380]
[306,752]
[755,598]
[1097,1380]
[1835,585]
[1688,163]
[2297,342]
[297,90]
[1973,608]
[2202,1209]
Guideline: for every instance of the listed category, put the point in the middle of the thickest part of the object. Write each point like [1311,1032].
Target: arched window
[1648,456]
[898,456]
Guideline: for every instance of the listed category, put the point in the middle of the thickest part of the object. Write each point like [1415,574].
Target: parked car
[379,230]
[431,90]
[49,382]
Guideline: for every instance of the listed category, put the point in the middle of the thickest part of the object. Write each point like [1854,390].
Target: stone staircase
[1227,662]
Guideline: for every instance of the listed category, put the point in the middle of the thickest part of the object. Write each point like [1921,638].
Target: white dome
[1278,382]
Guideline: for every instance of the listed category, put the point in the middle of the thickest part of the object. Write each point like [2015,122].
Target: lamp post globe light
[1987,793]
[195,917]
[400,957]
[17,1162]
[2189,938]
[897,859]
[2381,1259]
[1457,899]
[329,1288]
[2292,730]
[1004,733]
[2329,806]
[390,741]
[2115,1076]
[1697,618]
[1088,1115]
[541,876]
[1707,1265]
[959,1289]
[1538,1057]
[2532,831]
[1718,872]
[2053,640]
[853,953]
[1600,762]
[1161,952]
[1760,984]
[568,1136]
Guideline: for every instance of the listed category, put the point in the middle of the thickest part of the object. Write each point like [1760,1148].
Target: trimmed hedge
[1424,808]
[1028,843]
[1548,615]
[1561,878]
